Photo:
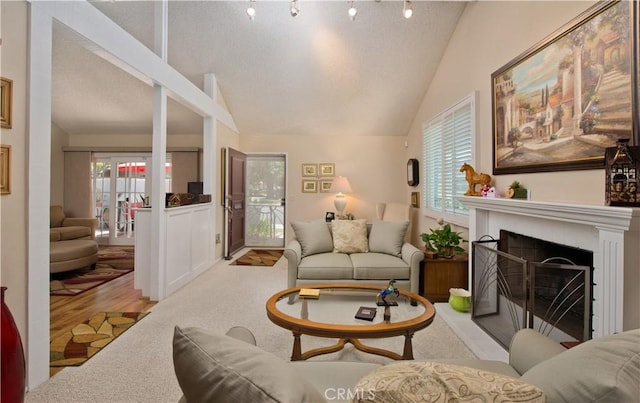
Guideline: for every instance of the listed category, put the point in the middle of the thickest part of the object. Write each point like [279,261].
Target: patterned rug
[259,257]
[88,338]
[113,262]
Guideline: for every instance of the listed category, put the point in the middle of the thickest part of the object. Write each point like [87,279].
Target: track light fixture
[407,11]
[251,10]
[352,11]
[295,9]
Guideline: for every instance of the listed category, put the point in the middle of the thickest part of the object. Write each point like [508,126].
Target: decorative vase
[13,370]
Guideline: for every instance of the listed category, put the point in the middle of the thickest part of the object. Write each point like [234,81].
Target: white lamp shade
[340,185]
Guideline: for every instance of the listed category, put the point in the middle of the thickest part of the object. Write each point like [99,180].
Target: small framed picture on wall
[309,186]
[310,170]
[327,169]
[325,186]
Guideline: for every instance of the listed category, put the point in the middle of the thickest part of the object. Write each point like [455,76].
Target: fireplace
[611,234]
[524,282]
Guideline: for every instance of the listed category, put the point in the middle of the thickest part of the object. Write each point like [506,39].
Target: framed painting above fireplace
[561,103]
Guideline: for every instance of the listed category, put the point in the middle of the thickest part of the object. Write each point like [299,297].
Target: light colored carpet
[138,366]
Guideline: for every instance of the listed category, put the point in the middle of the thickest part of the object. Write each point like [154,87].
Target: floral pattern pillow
[350,236]
[432,382]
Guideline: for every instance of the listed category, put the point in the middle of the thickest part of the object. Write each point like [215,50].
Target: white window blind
[447,144]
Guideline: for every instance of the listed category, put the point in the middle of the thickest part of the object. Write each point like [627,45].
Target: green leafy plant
[443,240]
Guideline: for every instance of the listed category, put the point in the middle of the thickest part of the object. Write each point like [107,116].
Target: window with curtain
[447,144]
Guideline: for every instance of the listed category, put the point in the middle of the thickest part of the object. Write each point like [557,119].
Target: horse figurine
[382,295]
[474,179]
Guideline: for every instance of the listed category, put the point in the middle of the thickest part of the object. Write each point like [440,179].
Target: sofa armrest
[529,348]
[413,256]
[293,253]
[92,223]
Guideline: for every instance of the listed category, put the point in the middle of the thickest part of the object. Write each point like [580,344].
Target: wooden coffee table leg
[296,354]
[407,354]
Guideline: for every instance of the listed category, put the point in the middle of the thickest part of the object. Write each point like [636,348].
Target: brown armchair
[63,228]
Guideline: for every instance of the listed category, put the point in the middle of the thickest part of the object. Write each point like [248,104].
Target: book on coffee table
[310,293]
[366,313]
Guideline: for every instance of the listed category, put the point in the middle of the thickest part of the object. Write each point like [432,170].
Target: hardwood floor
[116,296]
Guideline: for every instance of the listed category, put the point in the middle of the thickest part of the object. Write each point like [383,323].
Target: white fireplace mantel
[611,233]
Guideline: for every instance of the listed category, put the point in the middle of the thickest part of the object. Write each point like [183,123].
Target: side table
[439,275]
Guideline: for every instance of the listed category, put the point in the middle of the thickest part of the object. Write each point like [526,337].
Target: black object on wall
[412,172]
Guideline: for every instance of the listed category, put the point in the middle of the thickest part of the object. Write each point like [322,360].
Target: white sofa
[351,251]
[213,367]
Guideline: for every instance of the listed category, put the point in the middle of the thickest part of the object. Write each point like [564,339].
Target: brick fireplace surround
[611,233]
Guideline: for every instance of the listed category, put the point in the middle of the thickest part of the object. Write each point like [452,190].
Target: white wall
[489,35]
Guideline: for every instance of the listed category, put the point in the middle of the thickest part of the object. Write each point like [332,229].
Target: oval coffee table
[332,315]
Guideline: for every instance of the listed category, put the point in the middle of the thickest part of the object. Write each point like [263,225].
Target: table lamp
[340,185]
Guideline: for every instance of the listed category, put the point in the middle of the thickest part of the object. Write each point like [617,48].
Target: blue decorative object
[382,295]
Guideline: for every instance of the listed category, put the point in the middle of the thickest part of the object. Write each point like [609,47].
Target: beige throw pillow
[213,367]
[350,236]
[387,237]
[314,237]
[431,382]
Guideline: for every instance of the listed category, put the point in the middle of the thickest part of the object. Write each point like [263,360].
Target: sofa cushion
[387,237]
[213,367]
[378,266]
[606,369]
[326,266]
[314,237]
[56,216]
[69,233]
[438,382]
[350,236]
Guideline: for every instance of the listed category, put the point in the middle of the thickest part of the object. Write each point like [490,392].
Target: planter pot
[12,370]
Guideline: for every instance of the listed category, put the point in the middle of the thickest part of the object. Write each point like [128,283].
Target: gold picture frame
[309,186]
[6,97]
[325,186]
[415,199]
[310,170]
[327,169]
[5,169]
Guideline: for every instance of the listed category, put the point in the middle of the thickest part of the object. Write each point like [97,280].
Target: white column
[608,287]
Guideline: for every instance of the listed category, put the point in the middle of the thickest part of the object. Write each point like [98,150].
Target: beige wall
[375,167]
[489,35]
[59,140]
[13,207]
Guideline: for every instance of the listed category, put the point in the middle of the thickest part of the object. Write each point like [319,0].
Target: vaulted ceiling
[317,74]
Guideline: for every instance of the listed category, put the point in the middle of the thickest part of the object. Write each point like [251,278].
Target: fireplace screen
[513,292]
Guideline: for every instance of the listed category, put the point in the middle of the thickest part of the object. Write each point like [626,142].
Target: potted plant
[443,240]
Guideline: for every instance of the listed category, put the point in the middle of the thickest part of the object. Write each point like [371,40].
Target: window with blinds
[447,144]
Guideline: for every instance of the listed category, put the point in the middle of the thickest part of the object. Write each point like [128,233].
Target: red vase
[13,370]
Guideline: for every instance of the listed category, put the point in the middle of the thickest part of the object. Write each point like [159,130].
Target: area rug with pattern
[259,257]
[113,262]
[85,340]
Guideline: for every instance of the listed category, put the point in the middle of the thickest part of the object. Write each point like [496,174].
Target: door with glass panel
[119,186]
[265,193]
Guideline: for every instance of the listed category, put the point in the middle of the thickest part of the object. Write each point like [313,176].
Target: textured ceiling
[317,74]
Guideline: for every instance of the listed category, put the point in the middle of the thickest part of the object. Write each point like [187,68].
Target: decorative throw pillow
[350,236]
[314,237]
[387,237]
[213,367]
[431,382]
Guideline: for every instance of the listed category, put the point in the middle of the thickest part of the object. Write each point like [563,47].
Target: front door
[235,200]
[265,207]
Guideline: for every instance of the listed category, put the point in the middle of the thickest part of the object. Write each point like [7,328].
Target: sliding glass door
[120,186]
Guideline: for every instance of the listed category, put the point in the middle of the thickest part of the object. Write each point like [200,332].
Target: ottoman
[72,255]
